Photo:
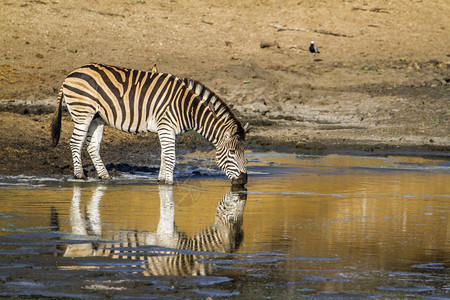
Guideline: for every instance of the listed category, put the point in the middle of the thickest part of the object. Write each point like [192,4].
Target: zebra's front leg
[94,138]
[167,141]
[162,169]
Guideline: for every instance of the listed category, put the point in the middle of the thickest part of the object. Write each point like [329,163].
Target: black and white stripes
[139,101]
[166,251]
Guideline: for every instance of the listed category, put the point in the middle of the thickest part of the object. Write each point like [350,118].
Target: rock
[269,44]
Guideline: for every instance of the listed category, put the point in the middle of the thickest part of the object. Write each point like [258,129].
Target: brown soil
[380,83]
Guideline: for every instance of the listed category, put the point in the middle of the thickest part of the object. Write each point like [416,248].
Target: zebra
[167,251]
[139,101]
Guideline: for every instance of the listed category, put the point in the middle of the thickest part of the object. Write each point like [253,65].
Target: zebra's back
[126,99]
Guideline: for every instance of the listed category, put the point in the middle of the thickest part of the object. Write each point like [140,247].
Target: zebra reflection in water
[178,254]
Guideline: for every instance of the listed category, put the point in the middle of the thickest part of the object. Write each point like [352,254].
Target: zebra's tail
[56,122]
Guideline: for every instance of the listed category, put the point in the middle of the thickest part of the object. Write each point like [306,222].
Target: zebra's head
[230,156]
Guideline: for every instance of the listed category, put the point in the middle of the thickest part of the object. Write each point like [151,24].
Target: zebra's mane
[216,105]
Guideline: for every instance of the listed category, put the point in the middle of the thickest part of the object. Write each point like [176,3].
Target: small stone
[269,44]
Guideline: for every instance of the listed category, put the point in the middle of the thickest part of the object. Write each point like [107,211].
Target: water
[307,226]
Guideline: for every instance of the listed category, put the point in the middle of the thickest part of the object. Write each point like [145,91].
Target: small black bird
[313,48]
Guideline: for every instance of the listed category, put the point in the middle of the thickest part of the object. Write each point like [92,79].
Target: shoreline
[27,145]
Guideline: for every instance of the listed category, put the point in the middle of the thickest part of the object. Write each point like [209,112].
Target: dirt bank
[380,83]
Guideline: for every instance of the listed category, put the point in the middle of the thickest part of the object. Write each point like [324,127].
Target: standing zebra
[139,101]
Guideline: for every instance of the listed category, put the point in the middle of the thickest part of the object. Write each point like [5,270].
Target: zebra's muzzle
[241,180]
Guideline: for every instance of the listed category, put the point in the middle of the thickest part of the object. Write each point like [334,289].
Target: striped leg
[167,141]
[93,220]
[94,138]
[162,169]
[166,233]
[76,142]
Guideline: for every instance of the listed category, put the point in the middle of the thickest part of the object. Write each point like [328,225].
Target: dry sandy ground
[380,83]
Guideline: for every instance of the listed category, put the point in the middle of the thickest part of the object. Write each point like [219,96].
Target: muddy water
[307,226]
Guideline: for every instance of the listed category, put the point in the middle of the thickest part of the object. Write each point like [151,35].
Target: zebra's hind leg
[76,143]
[93,140]
[167,141]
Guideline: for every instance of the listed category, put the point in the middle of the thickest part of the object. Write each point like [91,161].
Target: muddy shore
[374,89]
[28,151]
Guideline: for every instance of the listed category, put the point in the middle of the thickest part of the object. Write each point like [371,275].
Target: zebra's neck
[210,116]
[213,130]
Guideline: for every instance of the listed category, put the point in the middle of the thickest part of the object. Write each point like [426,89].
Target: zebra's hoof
[80,176]
[105,177]
[162,181]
